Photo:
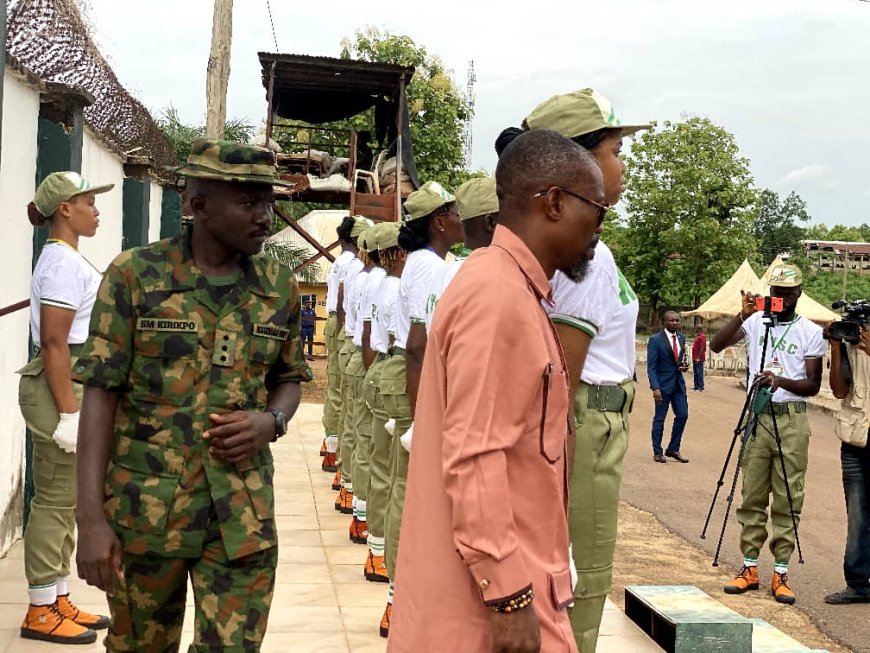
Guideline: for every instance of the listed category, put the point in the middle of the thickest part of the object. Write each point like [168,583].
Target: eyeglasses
[602,208]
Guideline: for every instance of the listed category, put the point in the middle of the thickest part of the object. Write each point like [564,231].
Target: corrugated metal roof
[299,72]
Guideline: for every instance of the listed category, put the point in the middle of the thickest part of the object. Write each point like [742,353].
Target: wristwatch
[280,423]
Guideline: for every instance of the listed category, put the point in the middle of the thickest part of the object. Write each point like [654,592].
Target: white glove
[407,437]
[390,426]
[67,432]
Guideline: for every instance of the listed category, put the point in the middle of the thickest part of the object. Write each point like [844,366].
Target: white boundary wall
[17,179]
[17,186]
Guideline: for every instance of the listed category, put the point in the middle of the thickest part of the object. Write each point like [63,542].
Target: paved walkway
[322,602]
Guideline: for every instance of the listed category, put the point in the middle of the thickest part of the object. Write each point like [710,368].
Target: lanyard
[66,244]
[776,345]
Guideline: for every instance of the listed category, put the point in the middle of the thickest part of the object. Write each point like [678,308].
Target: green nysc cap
[785,276]
[60,187]
[388,236]
[370,238]
[360,224]
[578,113]
[430,197]
[212,158]
[477,197]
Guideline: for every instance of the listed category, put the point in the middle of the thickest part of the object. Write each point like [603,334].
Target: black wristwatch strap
[280,423]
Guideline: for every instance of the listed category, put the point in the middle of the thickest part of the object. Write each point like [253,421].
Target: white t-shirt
[604,307]
[790,344]
[423,269]
[366,298]
[450,270]
[384,313]
[334,278]
[63,278]
[353,290]
[346,276]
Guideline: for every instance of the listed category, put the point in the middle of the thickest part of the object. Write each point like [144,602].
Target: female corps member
[596,320]
[431,226]
[62,294]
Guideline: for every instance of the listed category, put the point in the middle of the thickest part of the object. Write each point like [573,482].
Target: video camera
[855,314]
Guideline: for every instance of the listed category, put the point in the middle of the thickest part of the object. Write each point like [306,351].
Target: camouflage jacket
[177,348]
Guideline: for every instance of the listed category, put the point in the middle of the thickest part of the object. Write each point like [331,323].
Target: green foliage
[182,135]
[775,224]
[291,256]
[859,234]
[437,107]
[689,212]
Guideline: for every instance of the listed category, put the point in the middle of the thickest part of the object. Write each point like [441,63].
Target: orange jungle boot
[47,624]
[69,610]
[329,463]
[358,531]
[336,480]
[344,502]
[746,579]
[323,450]
[375,569]
[780,589]
[385,620]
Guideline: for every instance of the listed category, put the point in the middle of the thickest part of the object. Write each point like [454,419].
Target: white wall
[156,205]
[17,179]
[100,166]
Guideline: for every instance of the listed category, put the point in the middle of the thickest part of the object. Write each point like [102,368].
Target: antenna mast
[469,101]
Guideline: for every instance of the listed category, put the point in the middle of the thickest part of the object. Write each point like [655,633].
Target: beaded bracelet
[518,602]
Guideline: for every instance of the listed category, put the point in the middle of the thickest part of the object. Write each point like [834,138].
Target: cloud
[814,172]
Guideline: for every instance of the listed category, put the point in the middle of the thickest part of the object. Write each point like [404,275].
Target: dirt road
[679,496]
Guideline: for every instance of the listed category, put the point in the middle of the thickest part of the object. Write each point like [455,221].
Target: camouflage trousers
[332,406]
[231,600]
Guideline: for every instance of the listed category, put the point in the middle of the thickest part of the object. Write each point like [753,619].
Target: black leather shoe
[659,458]
[676,456]
[847,596]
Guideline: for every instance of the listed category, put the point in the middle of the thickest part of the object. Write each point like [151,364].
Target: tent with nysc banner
[726,301]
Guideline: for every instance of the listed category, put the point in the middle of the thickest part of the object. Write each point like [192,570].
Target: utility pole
[218,74]
[469,100]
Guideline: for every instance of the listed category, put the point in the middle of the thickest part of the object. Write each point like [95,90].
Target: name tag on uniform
[271,331]
[162,324]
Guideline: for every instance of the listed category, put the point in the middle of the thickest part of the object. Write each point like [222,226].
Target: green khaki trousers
[393,391]
[363,447]
[332,406]
[593,505]
[763,478]
[49,539]
[380,460]
[353,381]
[344,354]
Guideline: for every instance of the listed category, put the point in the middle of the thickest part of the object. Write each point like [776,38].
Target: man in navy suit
[665,363]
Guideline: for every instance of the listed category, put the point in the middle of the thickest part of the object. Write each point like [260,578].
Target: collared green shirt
[177,348]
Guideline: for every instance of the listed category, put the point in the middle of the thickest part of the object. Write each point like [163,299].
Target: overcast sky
[788,77]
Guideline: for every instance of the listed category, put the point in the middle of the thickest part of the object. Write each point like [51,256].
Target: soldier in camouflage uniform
[192,367]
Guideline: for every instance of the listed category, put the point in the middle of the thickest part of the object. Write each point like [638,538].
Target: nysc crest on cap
[211,158]
[578,113]
[785,275]
[429,198]
[477,197]
[60,187]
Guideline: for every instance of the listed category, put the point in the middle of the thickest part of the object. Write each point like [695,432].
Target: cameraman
[793,371]
[852,384]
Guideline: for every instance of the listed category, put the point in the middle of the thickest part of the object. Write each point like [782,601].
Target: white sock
[62,585]
[376,545]
[750,562]
[42,594]
[360,509]
[780,568]
[331,443]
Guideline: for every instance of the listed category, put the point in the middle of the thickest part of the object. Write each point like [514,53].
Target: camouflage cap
[429,198]
[785,275]
[476,197]
[578,113]
[60,187]
[360,224]
[211,158]
[389,235]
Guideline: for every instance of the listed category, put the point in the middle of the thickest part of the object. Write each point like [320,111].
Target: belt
[396,351]
[781,408]
[606,398]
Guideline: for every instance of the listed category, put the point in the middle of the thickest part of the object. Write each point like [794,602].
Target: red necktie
[676,353]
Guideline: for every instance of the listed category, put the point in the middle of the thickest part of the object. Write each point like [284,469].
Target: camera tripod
[758,401]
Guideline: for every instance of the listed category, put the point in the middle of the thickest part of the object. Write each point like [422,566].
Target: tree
[438,109]
[689,211]
[775,228]
[181,135]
